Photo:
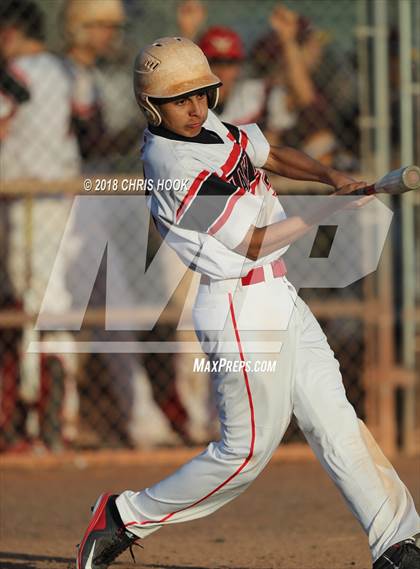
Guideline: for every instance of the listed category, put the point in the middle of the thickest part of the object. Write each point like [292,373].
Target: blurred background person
[36,144]
[94,35]
[286,57]
[319,93]
[22,47]
[12,414]
[283,98]
[95,59]
[13,92]
[191,16]
[241,99]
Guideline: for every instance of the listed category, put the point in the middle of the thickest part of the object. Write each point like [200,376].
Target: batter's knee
[344,439]
[332,418]
[252,456]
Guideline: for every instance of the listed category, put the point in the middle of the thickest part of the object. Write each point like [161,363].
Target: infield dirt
[292,517]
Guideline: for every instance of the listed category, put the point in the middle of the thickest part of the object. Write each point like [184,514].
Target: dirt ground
[292,517]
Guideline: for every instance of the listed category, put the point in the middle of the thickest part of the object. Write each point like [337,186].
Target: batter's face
[185,116]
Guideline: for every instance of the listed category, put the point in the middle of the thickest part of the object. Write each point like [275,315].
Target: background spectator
[93,34]
[286,58]
[283,99]
[44,115]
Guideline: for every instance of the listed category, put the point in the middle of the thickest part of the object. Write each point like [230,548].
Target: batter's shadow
[9,560]
[161,566]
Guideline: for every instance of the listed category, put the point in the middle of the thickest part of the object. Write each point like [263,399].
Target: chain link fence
[68,114]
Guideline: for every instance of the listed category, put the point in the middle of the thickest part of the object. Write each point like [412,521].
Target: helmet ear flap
[151,111]
[212,97]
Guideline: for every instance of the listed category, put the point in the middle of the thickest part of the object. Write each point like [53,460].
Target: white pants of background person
[114,224]
[36,229]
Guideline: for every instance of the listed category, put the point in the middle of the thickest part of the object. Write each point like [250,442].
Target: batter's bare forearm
[297,165]
[261,241]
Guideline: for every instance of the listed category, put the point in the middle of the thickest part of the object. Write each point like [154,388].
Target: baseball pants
[249,324]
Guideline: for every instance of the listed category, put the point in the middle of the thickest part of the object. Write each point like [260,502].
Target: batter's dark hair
[25,15]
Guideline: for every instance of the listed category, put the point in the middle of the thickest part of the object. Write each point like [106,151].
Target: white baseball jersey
[40,143]
[221,193]
[7,105]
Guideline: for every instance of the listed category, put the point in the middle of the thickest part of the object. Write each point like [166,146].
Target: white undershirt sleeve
[258,147]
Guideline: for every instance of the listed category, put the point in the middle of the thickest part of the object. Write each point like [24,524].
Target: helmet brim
[202,89]
[175,88]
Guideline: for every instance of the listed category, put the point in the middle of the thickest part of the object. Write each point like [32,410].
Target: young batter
[228,225]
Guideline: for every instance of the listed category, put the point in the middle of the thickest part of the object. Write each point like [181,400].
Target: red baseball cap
[222,44]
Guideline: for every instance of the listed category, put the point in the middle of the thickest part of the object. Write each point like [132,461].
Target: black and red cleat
[105,538]
[402,555]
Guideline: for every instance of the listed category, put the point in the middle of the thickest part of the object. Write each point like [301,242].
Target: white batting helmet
[80,14]
[169,68]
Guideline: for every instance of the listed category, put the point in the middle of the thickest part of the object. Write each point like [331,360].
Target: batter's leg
[254,411]
[344,446]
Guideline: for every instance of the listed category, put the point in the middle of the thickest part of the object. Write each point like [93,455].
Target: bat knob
[411,177]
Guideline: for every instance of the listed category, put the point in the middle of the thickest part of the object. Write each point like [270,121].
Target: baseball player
[55,154]
[37,144]
[228,225]
[93,30]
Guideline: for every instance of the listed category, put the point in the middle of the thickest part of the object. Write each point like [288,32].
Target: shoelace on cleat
[131,550]
[117,546]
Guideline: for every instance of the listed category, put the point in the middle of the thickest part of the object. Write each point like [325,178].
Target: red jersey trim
[226,169]
[235,154]
[192,192]
[243,140]
[224,216]
[255,182]
[232,160]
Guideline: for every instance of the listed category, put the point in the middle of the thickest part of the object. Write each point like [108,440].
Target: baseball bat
[395,182]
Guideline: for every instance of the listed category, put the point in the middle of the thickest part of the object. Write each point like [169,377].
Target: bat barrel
[411,177]
[395,182]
